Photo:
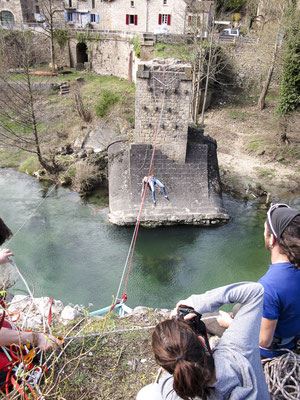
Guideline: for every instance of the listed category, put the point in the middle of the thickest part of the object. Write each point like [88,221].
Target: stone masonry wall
[108,56]
[249,62]
[193,198]
[163,104]
[13,6]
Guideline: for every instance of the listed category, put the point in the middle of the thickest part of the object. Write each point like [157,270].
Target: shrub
[108,98]
[86,177]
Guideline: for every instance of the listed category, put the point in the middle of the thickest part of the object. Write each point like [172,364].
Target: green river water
[72,253]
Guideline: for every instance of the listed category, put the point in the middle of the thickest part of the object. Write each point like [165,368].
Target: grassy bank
[111,366]
[58,121]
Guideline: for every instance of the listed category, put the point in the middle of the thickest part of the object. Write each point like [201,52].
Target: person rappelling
[152,181]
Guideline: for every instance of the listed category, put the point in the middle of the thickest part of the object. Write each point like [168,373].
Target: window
[70,17]
[131,19]
[164,19]
[132,4]
[165,2]
[70,3]
[37,9]
[93,17]
[195,20]
[93,4]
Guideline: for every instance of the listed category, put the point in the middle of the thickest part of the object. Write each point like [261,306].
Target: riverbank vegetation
[96,108]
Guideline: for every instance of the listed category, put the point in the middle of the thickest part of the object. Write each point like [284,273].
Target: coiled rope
[283,376]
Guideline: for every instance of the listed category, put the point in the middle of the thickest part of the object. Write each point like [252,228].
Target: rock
[69,313]
[34,322]
[140,310]
[19,303]
[163,311]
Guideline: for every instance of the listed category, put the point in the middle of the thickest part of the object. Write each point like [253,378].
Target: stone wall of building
[108,55]
[14,7]
[163,95]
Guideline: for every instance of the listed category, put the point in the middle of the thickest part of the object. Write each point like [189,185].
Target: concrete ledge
[154,220]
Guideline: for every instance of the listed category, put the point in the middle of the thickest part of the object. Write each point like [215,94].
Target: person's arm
[43,341]
[267,330]
[4,255]
[244,329]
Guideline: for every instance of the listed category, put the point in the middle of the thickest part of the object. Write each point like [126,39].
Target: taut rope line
[136,229]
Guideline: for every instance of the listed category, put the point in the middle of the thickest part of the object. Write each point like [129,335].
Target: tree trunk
[52,50]
[262,98]
[283,126]
[207,78]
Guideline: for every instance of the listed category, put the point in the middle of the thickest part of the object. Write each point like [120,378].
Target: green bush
[137,46]
[108,98]
[289,98]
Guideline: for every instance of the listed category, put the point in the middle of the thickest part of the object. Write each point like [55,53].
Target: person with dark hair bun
[191,371]
[5,233]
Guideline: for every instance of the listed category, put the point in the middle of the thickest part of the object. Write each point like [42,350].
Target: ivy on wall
[61,36]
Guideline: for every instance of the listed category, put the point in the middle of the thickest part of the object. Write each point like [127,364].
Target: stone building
[12,13]
[175,16]
[184,159]
[19,13]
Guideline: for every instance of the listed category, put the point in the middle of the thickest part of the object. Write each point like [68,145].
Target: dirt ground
[250,154]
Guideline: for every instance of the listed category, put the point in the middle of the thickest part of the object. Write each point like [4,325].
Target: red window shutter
[169,20]
[135,20]
[159,19]
[127,19]
[190,18]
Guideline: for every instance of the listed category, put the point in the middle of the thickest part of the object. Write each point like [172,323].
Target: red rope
[141,209]
[50,311]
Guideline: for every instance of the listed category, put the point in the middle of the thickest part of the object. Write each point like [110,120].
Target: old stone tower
[185,160]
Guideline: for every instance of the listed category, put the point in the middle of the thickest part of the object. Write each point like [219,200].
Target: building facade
[175,16]
[134,16]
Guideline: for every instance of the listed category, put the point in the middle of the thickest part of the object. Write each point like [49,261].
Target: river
[67,249]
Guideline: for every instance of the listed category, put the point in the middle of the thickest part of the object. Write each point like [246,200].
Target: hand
[4,254]
[47,342]
[182,303]
[224,319]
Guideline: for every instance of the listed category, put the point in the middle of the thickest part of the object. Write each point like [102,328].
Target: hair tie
[180,358]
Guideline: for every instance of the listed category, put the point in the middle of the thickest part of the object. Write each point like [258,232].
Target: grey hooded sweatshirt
[239,373]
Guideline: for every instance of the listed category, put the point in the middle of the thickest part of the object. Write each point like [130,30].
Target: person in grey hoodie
[233,371]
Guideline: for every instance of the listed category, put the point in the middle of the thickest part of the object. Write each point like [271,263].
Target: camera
[195,323]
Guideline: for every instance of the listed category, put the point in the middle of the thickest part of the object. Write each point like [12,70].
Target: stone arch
[81,53]
[7,18]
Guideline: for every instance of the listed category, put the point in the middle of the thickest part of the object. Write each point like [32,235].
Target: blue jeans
[152,183]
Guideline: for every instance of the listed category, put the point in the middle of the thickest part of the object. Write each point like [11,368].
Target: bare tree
[206,61]
[19,122]
[275,10]
[52,13]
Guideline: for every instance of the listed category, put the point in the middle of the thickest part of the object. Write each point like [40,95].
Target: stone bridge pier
[185,159]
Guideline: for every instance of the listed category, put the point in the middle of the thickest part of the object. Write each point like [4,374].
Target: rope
[37,207]
[136,229]
[111,332]
[282,376]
